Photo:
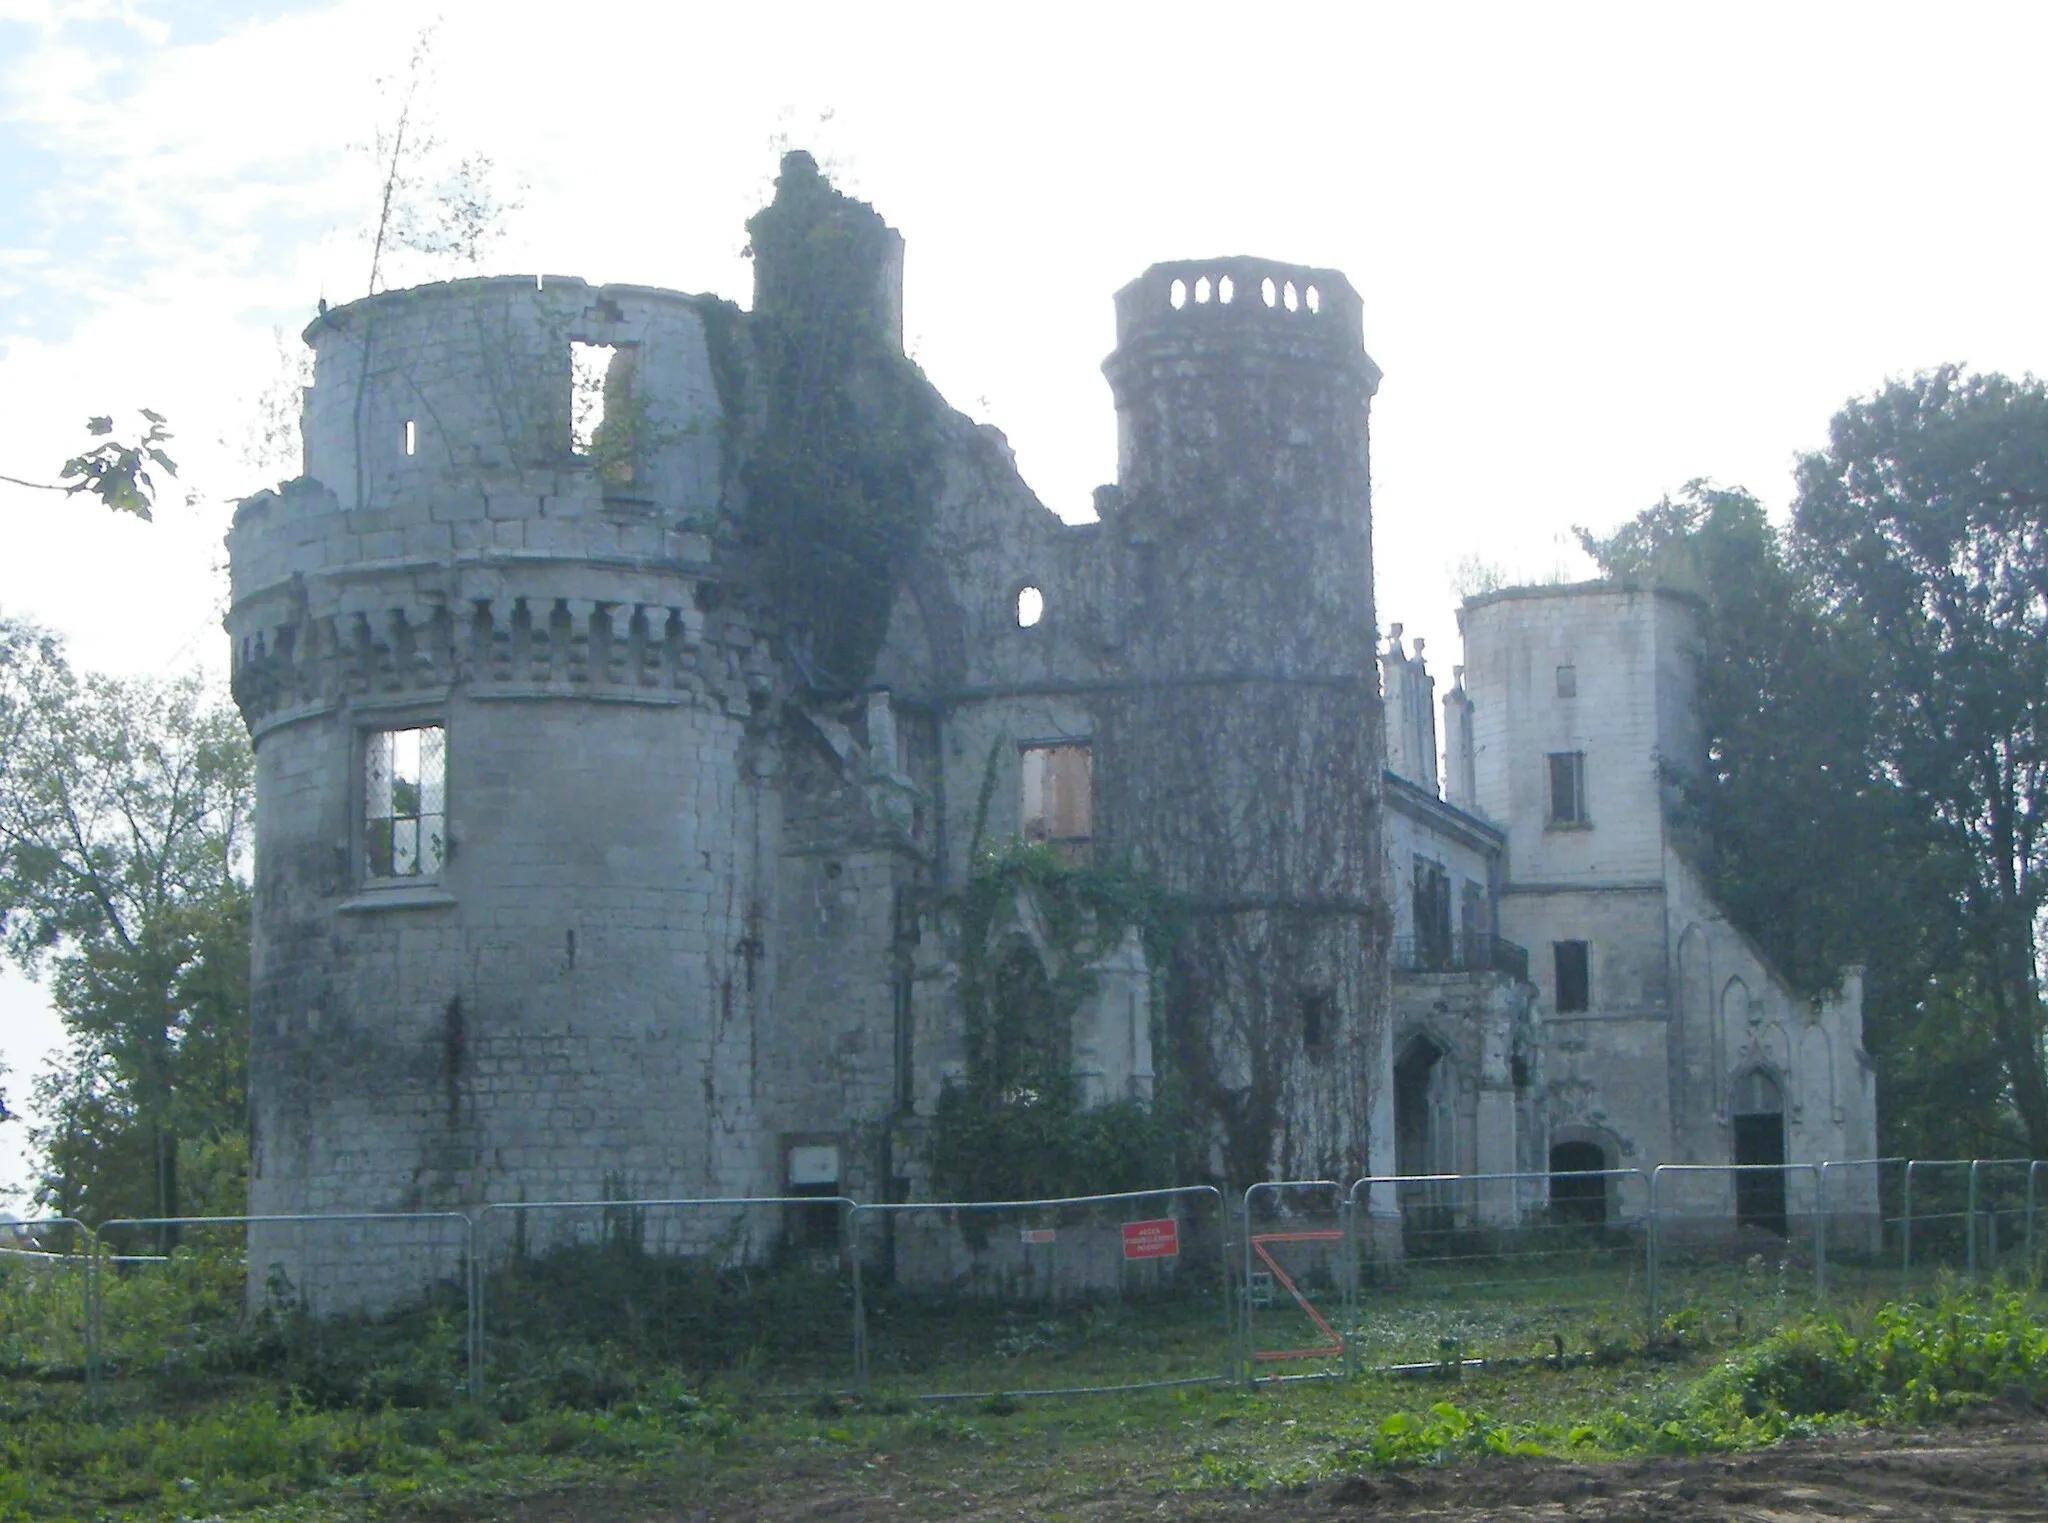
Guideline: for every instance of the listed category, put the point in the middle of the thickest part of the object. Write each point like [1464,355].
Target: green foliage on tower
[840,470]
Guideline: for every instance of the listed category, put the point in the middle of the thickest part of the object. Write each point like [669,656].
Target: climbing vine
[840,475]
[1015,1127]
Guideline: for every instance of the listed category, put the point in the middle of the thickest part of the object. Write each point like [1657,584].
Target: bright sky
[1602,249]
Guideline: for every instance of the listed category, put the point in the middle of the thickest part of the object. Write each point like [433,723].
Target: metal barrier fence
[1459,1268]
[763,1285]
[1733,1247]
[945,1300]
[45,1297]
[1093,1293]
[1299,1268]
[363,1306]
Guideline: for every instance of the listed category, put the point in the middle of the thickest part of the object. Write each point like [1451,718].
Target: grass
[616,1373]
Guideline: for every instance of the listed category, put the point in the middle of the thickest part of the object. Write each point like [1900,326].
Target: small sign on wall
[1037,1234]
[814,1165]
[1157,1239]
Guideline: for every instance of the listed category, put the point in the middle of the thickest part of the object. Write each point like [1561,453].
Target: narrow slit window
[1058,802]
[412,436]
[405,805]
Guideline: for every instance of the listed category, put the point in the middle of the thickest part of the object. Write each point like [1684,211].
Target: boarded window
[1567,682]
[1568,788]
[1574,976]
[1059,802]
[405,802]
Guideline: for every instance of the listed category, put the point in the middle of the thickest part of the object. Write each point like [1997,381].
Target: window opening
[404,802]
[601,407]
[814,1175]
[1431,902]
[1758,1112]
[1567,682]
[1226,290]
[1030,607]
[412,436]
[1568,788]
[1288,297]
[1313,299]
[1318,1021]
[1177,293]
[1058,802]
[1269,291]
[1578,1192]
[1574,970]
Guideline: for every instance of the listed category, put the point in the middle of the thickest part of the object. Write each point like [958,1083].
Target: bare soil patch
[1994,1467]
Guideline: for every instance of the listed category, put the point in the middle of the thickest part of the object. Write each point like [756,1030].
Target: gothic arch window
[1027,1045]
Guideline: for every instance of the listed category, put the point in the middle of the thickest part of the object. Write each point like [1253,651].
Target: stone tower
[507,728]
[1240,749]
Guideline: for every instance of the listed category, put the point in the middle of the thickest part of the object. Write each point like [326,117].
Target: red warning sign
[1158,1239]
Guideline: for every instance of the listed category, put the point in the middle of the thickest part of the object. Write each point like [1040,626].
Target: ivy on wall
[841,470]
[1015,1128]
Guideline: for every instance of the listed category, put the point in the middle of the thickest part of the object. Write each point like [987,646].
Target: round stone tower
[1239,759]
[508,768]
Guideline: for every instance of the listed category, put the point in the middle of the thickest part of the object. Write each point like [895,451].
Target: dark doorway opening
[1759,1116]
[1413,1121]
[1578,1190]
[1417,1073]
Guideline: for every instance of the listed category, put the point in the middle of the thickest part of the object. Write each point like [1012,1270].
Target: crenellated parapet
[331,606]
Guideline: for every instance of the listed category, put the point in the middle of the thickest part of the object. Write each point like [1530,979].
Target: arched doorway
[1418,1149]
[1578,1189]
[1414,1107]
[1758,1108]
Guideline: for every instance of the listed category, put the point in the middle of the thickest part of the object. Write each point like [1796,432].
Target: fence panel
[45,1283]
[1997,1203]
[1102,1292]
[364,1308]
[575,1298]
[1734,1247]
[1298,1279]
[1862,1227]
[1936,1229]
[1459,1267]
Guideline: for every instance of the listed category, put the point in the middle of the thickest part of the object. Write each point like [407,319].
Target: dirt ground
[1992,1468]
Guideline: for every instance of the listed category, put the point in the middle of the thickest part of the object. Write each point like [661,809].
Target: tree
[1925,527]
[114,470]
[123,812]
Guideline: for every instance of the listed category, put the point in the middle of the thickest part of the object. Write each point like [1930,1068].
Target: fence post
[1906,1231]
[2032,1169]
[1347,1216]
[1250,1348]
[93,1315]
[1970,1223]
[860,1305]
[472,1296]
[1223,1284]
[1656,1176]
[1820,1235]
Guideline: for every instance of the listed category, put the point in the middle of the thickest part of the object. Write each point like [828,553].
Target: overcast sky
[1602,250]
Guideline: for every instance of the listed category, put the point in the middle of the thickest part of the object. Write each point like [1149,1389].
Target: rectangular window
[405,802]
[1574,976]
[412,436]
[1318,1021]
[1568,788]
[1432,909]
[1567,682]
[1059,801]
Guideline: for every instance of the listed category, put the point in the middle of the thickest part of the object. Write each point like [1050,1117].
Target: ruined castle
[606,843]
